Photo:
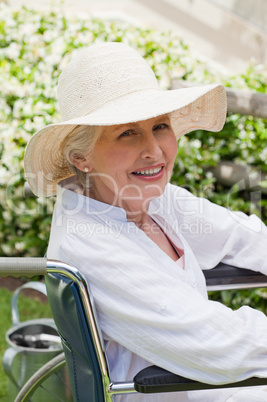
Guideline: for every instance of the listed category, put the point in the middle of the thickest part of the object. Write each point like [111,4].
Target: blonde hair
[78,143]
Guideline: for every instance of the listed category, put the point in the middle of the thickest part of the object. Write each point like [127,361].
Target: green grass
[28,309]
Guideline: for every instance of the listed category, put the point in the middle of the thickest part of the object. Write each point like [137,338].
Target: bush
[35,47]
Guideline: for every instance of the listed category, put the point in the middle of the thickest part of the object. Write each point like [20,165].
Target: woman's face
[132,163]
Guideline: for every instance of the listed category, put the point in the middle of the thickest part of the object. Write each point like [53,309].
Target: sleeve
[148,309]
[217,234]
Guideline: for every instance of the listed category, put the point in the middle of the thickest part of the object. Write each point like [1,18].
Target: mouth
[148,172]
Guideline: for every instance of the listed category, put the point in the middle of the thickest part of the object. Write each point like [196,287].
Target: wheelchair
[83,348]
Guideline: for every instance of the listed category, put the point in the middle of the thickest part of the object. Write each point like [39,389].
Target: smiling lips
[152,173]
[148,172]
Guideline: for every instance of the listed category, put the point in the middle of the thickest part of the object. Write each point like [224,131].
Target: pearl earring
[86,169]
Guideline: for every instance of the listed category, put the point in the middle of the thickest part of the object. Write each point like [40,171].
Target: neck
[136,209]
[140,219]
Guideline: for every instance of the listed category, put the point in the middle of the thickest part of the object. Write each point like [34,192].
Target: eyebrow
[136,124]
[127,126]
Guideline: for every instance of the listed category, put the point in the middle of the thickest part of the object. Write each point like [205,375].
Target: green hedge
[34,48]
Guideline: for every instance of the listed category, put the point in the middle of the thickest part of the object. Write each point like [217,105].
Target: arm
[216,234]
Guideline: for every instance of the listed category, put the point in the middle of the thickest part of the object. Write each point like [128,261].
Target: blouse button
[163,306]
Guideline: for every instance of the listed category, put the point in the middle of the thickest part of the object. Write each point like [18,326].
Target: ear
[81,162]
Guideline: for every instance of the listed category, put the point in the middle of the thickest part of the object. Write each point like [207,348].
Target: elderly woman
[133,235]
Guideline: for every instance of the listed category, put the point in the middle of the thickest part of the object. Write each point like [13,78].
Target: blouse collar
[70,194]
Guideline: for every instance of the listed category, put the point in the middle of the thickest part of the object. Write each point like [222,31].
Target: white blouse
[150,310]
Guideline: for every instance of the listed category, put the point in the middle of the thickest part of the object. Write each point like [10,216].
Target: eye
[126,133]
[161,126]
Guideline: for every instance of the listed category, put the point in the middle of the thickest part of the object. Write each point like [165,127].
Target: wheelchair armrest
[154,379]
[229,277]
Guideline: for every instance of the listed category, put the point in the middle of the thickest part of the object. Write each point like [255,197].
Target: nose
[151,148]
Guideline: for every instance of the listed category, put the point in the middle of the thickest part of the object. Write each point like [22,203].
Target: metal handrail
[30,267]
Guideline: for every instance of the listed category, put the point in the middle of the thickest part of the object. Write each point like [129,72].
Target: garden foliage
[35,47]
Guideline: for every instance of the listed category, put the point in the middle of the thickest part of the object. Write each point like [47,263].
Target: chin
[158,191]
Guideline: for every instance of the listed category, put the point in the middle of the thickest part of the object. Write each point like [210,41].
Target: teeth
[148,172]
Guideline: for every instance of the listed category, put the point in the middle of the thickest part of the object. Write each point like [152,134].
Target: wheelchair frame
[151,379]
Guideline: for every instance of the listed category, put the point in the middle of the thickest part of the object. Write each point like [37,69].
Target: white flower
[20,246]
[196,143]
[263,155]
[12,51]
[209,175]
[6,249]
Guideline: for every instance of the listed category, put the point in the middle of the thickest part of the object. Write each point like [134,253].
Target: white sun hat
[108,84]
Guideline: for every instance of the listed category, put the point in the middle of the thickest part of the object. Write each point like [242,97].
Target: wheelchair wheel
[49,383]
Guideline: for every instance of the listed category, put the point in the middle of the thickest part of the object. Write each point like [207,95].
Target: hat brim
[200,107]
